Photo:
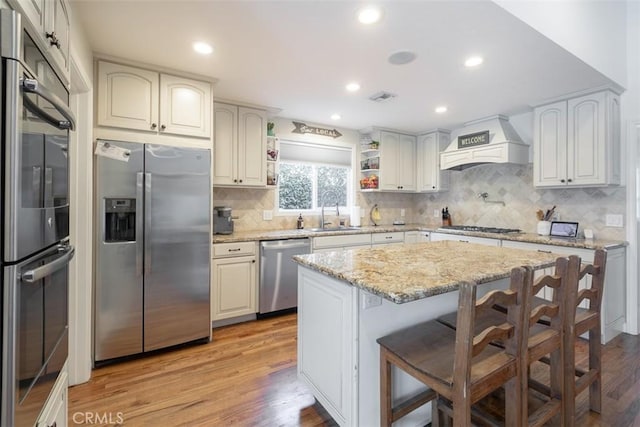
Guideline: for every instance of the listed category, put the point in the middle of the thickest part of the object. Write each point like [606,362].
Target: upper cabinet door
[58,33]
[224,144]
[50,28]
[550,145]
[429,177]
[127,97]
[407,162]
[185,106]
[33,11]
[389,159]
[586,136]
[252,146]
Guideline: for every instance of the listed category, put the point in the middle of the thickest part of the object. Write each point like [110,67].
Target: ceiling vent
[382,96]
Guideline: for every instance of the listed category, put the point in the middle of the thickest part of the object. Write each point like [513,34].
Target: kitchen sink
[327,229]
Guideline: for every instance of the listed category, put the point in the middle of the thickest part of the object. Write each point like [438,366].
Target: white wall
[594,31]
[631,127]
[81,174]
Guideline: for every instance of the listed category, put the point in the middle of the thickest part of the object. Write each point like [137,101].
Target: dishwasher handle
[290,245]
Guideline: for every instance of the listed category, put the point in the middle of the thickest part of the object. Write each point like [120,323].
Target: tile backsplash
[511,184]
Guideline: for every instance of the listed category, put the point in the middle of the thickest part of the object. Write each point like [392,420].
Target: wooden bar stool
[461,365]
[545,342]
[580,321]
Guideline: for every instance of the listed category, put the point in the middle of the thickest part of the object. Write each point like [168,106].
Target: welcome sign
[473,139]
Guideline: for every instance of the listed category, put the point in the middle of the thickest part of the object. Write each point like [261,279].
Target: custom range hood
[488,140]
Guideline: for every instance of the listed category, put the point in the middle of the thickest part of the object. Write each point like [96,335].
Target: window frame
[316,210]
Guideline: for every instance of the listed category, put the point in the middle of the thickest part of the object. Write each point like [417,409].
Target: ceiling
[297,56]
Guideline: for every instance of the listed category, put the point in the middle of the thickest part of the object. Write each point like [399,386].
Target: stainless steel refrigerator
[153,243]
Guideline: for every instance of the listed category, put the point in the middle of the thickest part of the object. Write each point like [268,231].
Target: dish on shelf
[272,154]
[369,182]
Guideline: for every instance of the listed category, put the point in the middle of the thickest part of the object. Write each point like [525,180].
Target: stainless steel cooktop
[480,229]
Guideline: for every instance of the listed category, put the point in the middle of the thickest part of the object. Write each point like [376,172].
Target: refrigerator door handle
[147,223]
[31,276]
[36,184]
[139,222]
[48,187]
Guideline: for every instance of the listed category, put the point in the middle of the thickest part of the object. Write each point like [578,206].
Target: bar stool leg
[595,364]
[386,417]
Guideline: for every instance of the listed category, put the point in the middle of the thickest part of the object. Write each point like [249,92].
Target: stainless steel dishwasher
[279,273]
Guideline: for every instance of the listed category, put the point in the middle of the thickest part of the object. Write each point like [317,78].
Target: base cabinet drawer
[234,249]
[387,238]
[436,237]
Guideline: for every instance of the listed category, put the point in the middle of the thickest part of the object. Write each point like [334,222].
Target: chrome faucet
[324,199]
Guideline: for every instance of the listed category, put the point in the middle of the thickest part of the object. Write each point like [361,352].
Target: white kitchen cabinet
[55,409]
[240,144]
[51,26]
[397,162]
[233,280]
[416,236]
[145,100]
[430,178]
[614,294]
[389,238]
[577,142]
[341,242]
[185,106]
[436,237]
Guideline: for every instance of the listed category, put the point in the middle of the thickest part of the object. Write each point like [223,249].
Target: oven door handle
[33,86]
[31,276]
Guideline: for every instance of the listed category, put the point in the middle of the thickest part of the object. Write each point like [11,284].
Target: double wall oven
[35,224]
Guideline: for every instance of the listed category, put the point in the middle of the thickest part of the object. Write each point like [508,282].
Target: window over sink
[311,174]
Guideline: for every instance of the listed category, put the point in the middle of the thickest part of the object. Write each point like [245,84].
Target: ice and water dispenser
[120,220]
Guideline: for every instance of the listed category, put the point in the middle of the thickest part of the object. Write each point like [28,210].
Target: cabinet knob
[562,180]
[240,180]
[433,186]
[54,40]
[163,127]
[235,180]
[569,180]
[153,125]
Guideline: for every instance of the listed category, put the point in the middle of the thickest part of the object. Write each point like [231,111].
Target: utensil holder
[544,228]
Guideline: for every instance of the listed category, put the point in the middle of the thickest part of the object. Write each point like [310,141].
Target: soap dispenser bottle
[300,224]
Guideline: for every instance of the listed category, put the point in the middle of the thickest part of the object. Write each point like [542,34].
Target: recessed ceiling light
[402,57]
[473,61]
[369,15]
[203,48]
[335,116]
[353,87]
[441,109]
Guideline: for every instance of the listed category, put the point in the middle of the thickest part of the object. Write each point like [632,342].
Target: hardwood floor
[247,377]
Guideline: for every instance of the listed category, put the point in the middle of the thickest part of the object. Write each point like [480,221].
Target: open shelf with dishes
[369,164]
[273,151]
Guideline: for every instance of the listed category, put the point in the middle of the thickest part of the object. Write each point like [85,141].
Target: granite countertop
[254,235]
[404,273]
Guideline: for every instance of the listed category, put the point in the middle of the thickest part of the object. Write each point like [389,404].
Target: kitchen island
[346,300]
